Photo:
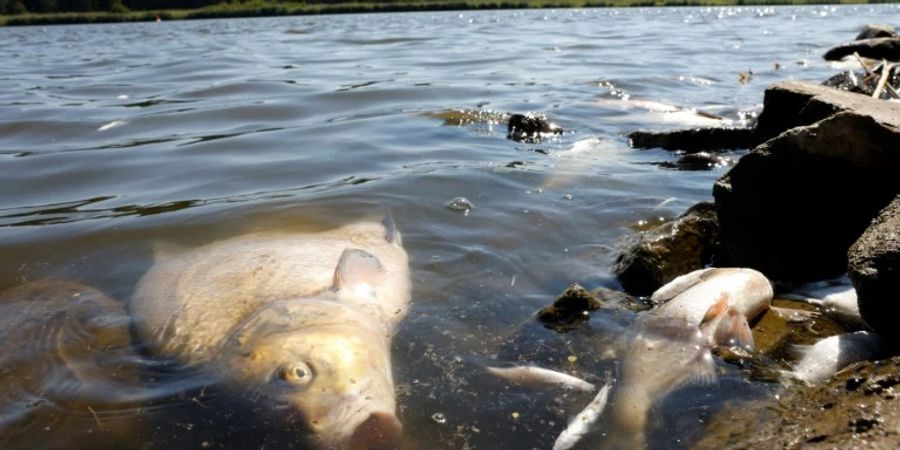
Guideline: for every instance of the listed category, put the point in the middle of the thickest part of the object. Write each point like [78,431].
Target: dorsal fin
[391,233]
[358,267]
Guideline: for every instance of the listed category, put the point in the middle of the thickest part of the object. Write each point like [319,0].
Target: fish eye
[298,373]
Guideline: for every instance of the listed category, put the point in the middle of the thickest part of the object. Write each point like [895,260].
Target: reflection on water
[305,123]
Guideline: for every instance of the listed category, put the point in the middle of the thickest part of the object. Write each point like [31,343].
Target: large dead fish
[720,302]
[837,300]
[305,319]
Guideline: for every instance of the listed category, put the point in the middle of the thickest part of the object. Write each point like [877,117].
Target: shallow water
[115,137]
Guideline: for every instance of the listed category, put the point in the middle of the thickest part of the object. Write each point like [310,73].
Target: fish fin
[681,284]
[358,267]
[726,325]
[165,250]
[391,233]
[703,372]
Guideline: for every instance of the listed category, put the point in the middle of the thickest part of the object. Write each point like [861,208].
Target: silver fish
[827,357]
[583,422]
[540,378]
[306,319]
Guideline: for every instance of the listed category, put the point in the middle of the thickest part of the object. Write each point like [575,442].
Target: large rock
[879,48]
[876,30]
[793,206]
[874,268]
[656,257]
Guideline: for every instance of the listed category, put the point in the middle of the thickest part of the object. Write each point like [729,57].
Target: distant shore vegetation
[48,12]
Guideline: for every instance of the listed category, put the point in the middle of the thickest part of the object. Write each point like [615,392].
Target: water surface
[115,137]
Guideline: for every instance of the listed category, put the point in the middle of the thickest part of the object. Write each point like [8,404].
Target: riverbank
[272,8]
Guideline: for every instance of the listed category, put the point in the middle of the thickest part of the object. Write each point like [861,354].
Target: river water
[115,137]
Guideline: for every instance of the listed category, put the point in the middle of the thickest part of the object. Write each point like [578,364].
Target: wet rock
[530,127]
[653,258]
[836,414]
[878,48]
[695,139]
[697,161]
[874,268]
[793,206]
[877,30]
[571,308]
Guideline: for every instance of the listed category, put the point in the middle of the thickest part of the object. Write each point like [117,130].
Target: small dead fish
[583,422]
[827,357]
[540,378]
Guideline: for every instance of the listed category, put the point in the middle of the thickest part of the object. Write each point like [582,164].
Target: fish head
[326,362]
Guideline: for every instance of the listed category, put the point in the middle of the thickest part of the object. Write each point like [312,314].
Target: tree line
[114,6]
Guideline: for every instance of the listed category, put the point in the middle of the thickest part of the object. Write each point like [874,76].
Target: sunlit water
[115,137]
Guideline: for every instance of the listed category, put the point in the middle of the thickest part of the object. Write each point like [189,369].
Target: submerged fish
[540,378]
[665,354]
[827,357]
[583,423]
[65,356]
[720,301]
[304,319]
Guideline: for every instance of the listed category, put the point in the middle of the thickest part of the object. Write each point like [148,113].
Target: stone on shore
[878,48]
[856,409]
[655,257]
[571,308]
[876,30]
[874,268]
[793,206]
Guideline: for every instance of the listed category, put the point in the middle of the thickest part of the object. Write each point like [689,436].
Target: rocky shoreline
[817,197]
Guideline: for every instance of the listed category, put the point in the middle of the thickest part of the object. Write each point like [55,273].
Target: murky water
[116,137]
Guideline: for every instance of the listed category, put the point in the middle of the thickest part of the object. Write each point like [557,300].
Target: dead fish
[584,422]
[837,301]
[720,301]
[666,353]
[305,320]
[540,378]
[652,112]
[820,361]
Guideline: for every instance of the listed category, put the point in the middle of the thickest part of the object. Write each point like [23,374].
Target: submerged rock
[877,30]
[878,48]
[656,257]
[697,161]
[530,127]
[695,139]
[793,206]
[571,308]
[856,409]
[874,268]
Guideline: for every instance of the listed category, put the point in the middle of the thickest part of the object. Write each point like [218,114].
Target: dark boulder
[655,257]
[874,268]
[876,30]
[878,48]
[793,206]
[530,127]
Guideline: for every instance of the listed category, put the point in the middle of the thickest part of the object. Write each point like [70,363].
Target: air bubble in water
[439,418]
[461,204]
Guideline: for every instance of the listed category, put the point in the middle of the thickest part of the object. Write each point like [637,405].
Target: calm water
[113,137]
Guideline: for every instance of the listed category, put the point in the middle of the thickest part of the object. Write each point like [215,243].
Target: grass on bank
[263,8]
